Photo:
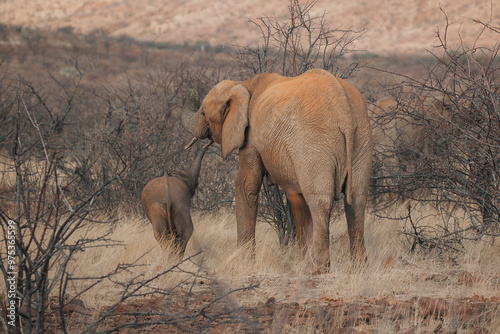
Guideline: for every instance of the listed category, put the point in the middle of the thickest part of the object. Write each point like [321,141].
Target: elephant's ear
[236,120]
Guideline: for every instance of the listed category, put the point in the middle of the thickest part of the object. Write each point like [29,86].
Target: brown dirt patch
[205,311]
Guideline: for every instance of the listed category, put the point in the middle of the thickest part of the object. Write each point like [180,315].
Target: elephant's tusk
[208,145]
[191,143]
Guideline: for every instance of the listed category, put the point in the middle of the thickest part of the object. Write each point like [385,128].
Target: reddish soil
[205,312]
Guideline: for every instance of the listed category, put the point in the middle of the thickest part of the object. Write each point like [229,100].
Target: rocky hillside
[393,26]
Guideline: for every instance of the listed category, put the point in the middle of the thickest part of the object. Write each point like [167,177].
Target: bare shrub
[37,227]
[101,130]
[453,156]
[300,43]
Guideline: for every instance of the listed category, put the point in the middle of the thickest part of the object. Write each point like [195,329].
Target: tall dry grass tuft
[215,234]
[132,242]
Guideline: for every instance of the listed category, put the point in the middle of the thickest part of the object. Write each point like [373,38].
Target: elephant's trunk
[190,176]
[196,167]
[191,120]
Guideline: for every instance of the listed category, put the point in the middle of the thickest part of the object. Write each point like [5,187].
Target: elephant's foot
[318,270]
[358,255]
[247,246]
[319,263]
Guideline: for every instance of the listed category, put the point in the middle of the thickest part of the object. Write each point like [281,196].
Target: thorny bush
[446,149]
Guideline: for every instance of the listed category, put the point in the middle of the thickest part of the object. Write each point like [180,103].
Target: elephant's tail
[347,129]
[349,142]
[169,219]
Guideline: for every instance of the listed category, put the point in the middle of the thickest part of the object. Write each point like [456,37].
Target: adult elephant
[309,134]
[407,126]
[406,133]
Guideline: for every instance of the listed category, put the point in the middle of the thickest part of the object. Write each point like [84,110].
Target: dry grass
[7,173]
[391,273]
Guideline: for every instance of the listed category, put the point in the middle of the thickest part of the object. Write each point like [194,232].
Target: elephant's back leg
[355,212]
[154,204]
[157,215]
[318,185]
[302,217]
[183,225]
[319,205]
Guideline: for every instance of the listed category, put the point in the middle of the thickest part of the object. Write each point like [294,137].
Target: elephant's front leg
[248,183]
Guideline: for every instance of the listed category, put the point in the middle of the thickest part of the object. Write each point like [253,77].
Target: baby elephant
[167,201]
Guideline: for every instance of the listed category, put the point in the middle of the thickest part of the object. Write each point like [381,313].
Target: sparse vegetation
[87,120]
[447,149]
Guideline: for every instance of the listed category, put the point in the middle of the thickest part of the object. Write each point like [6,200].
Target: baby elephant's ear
[236,120]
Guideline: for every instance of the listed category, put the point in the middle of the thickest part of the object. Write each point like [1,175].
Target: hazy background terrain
[392,26]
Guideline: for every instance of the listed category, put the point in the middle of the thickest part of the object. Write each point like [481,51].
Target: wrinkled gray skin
[167,203]
[309,134]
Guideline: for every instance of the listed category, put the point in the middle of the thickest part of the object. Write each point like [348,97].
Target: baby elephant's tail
[170,222]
